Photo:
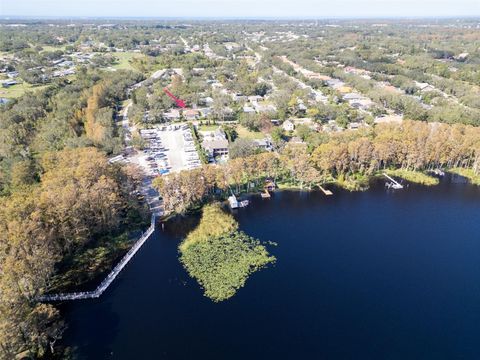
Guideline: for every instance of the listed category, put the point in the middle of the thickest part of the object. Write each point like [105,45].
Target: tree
[277,135]
[242,148]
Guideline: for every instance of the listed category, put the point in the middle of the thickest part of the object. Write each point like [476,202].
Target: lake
[370,275]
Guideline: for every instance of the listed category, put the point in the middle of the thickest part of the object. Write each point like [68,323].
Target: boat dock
[235,204]
[110,277]
[325,191]
[438,172]
[393,184]
[265,194]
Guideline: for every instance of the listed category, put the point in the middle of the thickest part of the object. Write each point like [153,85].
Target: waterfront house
[216,147]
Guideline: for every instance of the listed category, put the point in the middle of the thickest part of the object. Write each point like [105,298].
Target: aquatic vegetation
[353,182]
[467,173]
[220,257]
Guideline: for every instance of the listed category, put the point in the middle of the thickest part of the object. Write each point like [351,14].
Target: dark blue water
[373,275]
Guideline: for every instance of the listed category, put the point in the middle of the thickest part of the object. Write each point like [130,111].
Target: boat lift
[393,184]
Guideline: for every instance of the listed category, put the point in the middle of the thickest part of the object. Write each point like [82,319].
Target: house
[254,98]
[239,97]
[248,110]
[205,112]
[335,83]
[462,56]
[8,83]
[264,144]
[424,86]
[62,73]
[261,108]
[173,114]
[207,101]
[198,70]
[216,147]
[288,125]
[215,143]
[354,125]
[318,96]
[305,121]
[362,104]
[344,89]
[352,96]
[190,114]
[301,107]
[66,63]
[58,62]
[217,134]
[316,76]
[332,126]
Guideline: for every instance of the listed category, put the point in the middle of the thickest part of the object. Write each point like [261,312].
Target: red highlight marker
[179,102]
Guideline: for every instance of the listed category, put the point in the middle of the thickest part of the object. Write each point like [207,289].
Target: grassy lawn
[53,48]
[468,173]
[208,127]
[243,132]
[417,177]
[18,90]
[124,60]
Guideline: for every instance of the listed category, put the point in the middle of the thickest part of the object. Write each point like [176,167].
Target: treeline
[70,115]
[59,199]
[79,198]
[349,158]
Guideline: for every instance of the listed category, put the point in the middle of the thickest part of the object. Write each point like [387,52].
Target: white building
[288,125]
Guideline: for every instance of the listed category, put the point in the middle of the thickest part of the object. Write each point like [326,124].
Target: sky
[240,8]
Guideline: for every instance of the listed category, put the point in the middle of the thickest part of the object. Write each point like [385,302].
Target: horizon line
[270,18]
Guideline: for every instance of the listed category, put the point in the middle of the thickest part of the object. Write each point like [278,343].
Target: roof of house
[353,96]
[190,112]
[215,144]
[248,109]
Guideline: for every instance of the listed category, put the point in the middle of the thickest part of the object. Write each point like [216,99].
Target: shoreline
[347,185]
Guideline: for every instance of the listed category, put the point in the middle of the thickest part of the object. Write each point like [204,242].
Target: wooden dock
[110,277]
[325,191]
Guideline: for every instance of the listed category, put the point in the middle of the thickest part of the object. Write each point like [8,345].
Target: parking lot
[167,149]
[154,160]
[179,147]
